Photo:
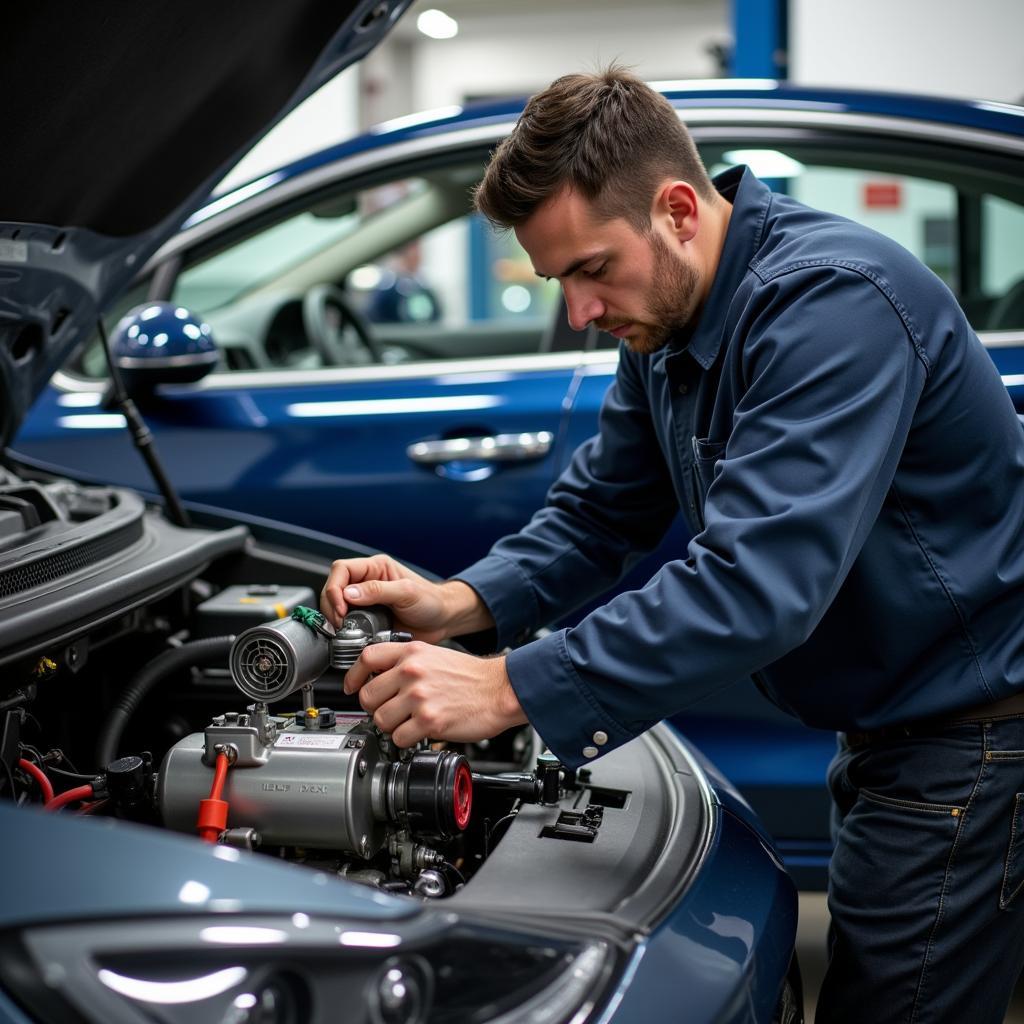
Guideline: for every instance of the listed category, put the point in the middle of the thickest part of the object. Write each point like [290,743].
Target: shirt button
[590,751]
[683,389]
[600,738]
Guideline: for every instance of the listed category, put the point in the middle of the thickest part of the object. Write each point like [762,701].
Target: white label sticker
[322,741]
[13,252]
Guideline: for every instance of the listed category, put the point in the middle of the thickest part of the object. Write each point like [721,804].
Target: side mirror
[162,343]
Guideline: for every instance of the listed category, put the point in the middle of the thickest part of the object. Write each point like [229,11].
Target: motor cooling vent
[261,669]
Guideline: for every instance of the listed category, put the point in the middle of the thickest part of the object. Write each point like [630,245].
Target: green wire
[312,618]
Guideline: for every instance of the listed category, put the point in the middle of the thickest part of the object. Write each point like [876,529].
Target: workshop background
[446,52]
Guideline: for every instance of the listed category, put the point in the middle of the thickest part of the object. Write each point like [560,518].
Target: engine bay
[181,678]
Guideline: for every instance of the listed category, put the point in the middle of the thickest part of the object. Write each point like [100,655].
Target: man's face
[640,288]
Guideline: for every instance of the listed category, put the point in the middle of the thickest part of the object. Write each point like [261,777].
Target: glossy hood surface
[116,124]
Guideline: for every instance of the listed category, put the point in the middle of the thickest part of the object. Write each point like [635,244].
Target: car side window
[966,225]
[424,276]
[1002,262]
[460,290]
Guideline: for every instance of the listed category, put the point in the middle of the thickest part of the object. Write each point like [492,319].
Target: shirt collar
[750,199]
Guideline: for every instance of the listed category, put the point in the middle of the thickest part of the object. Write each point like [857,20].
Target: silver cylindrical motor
[271,661]
[308,788]
[330,788]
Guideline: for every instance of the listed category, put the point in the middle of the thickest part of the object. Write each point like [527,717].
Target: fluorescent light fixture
[391,406]
[765,163]
[437,24]
[1012,380]
[192,990]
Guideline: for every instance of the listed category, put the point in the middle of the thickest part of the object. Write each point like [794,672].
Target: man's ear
[676,202]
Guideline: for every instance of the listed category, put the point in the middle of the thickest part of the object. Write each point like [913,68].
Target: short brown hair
[608,136]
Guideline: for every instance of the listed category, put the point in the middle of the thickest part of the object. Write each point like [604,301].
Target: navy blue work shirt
[853,471]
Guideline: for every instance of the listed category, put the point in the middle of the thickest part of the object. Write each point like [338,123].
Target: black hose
[198,652]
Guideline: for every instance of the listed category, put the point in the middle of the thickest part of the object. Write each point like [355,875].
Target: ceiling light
[437,24]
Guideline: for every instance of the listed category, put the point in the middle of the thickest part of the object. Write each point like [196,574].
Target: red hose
[36,772]
[69,796]
[213,812]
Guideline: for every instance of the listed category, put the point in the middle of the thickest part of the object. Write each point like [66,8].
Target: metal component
[128,780]
[409,858]
[259,718]
[228,749]
[346,647]
[519,785]
[362,626]
[241,838]
[309,700]
[271,661]
[312,788]
[523,447]
[431,884]
[303,789]
[549,774]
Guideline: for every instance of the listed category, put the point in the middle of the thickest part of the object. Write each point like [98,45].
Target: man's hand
[429,611]
[416,691]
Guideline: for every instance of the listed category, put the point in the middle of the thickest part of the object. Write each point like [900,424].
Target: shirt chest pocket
[706,456]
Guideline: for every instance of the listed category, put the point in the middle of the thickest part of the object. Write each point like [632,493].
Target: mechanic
[814,402]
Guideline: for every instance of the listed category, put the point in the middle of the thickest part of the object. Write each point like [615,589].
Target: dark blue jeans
[925,885]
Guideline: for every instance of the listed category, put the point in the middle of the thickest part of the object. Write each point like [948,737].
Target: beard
[673,294]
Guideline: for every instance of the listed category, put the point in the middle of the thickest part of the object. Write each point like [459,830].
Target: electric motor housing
[339,787]
[271,661]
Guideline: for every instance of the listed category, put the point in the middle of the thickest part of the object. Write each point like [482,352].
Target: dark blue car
[393,371]
[164,679]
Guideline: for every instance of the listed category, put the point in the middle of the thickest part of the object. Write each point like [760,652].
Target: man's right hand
[429,611]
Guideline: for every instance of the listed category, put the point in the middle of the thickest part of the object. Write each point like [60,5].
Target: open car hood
[116,125]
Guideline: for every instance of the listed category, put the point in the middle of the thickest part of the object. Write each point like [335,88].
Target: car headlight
[430,969]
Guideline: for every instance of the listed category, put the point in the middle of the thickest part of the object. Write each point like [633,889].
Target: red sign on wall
[883,195]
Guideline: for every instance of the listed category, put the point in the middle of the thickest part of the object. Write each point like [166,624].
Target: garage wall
[502,54]
[942,47]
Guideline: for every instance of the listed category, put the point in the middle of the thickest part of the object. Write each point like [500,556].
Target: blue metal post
[760,38]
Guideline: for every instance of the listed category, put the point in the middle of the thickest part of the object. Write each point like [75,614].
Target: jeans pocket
[1013,869]
[952,810]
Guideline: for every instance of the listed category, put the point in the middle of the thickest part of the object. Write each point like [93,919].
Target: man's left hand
[420,691]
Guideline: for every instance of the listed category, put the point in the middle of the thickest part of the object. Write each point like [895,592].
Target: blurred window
[951,216]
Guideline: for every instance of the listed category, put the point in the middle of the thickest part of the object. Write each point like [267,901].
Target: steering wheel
[326,311]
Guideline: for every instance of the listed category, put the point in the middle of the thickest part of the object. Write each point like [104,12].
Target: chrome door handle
[497,448]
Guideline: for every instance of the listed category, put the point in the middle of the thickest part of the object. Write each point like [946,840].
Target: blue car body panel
[333,458]
[725,942]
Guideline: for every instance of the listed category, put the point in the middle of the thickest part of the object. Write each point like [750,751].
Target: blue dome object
[162,343]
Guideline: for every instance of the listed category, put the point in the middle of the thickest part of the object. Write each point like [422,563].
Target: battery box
[237,608]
